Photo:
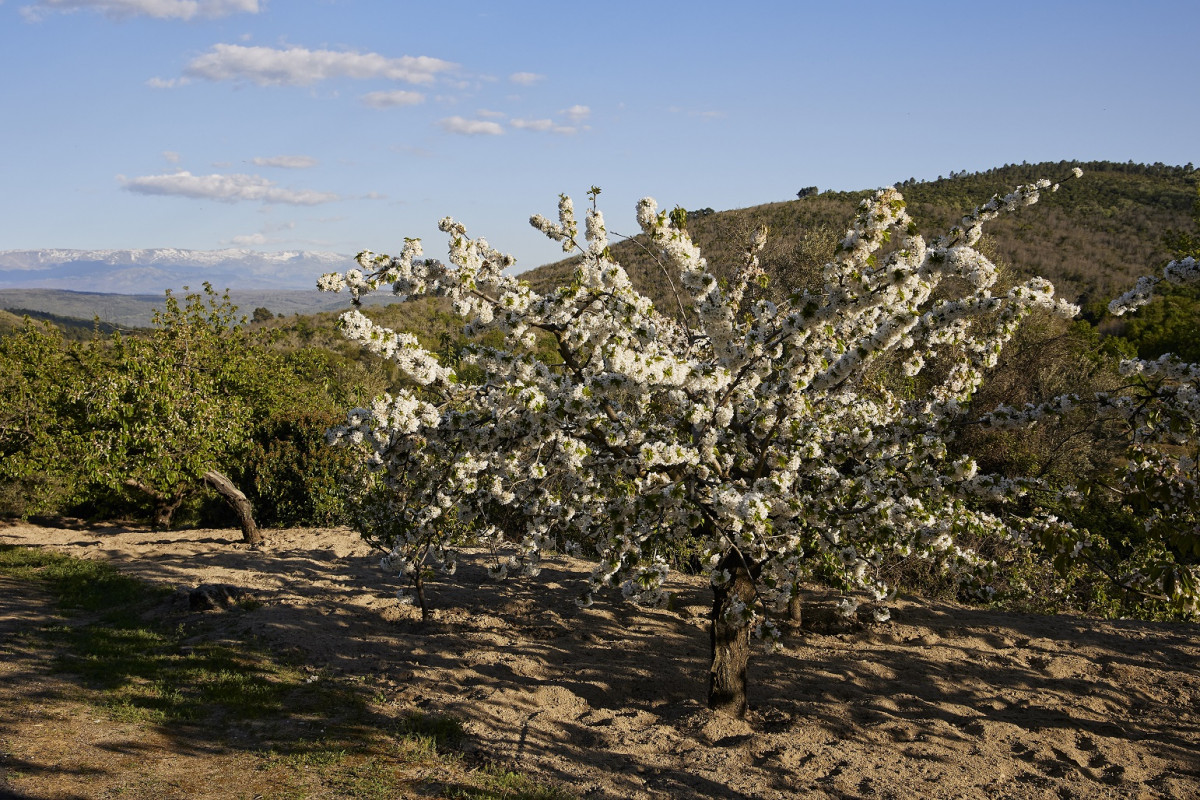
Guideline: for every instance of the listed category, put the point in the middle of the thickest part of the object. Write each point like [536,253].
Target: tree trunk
[730,640]
[419,583]
[165,505]
[241,506]
[796,610]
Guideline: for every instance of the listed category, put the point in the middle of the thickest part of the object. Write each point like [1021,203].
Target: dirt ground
[941,702]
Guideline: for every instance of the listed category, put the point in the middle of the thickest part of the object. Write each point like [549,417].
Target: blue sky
[341,125]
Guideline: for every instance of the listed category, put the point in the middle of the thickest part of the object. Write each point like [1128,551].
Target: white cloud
[167,83]
[391,99]
[526,78]
[171,156]
[533,124]
[546,125]
[577,113]
[158,9]
[286,162]
[297,66]
[471,127]
[249,240]
[486,114]
[225,188]
[264,236]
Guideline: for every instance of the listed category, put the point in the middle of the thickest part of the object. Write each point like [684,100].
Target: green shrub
[290,475]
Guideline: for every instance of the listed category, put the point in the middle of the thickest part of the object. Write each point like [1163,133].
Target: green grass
[132,667]
[502,784]
[143,668]
[75,582]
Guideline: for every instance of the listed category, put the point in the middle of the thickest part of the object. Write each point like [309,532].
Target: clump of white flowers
[752,428]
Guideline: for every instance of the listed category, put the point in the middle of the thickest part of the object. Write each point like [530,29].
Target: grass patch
[440,731]
[503,784]
[143,668]
[133,667]
[75,582]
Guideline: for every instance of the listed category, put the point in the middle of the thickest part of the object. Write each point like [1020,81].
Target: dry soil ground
[941,702]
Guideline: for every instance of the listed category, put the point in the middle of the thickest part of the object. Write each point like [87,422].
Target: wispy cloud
[166,83]
[225,188]
[533,124]
[486,114]
[286,162]
[171,156]
[399,97]
[264,236]
[526,78]
[298,66]
[158,9]
[267,235]
[544,125]
[249,240]
[577,114]
[471,127]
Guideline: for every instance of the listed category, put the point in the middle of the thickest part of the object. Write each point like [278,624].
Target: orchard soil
[943,701]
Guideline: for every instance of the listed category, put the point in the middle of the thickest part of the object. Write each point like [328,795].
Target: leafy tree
[39,441]
[1170,325]
[287,471]
[289,474]
[1184,244]
[165,412]
[154,415]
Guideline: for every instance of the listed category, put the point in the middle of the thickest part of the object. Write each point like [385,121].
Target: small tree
[164,413]
[784,440]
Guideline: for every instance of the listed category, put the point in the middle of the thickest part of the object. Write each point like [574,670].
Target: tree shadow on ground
[943,701]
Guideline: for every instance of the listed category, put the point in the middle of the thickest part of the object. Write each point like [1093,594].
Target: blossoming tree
[777,439]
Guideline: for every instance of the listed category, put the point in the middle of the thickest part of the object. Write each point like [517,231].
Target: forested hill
[1092,238]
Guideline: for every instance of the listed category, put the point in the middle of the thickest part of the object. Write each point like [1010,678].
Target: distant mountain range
[137,310]
[145,271]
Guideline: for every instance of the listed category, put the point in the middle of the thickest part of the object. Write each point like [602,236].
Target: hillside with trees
[1092,238]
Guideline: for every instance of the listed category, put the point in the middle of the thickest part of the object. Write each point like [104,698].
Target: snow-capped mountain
[153,271]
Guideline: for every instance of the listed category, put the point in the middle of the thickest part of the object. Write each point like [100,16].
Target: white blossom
[755,431]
